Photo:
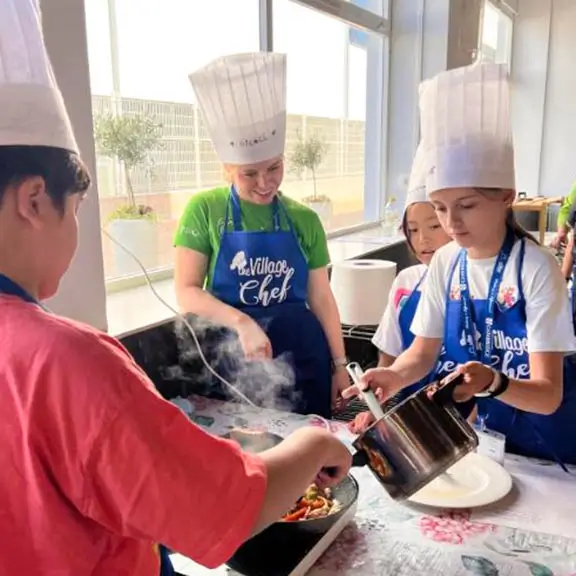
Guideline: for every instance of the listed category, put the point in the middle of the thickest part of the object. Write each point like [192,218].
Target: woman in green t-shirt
[252,261]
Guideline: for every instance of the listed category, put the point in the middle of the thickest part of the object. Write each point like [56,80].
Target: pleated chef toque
[32,111]
[417,182]
[243,101]
[466,128]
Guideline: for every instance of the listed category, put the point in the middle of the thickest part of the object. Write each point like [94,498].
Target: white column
[82,293]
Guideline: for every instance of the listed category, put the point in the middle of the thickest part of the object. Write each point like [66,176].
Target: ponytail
[518,229]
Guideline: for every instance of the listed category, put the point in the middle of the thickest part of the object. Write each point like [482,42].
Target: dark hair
[405,231]
[511,222]
[63,171]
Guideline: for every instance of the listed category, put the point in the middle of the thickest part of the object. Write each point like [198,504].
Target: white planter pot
[323,208]
[141,238]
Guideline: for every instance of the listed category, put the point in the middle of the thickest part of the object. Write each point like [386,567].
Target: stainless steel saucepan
[414,442]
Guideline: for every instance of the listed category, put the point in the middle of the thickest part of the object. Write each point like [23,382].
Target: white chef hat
[417,183]
[243,100]
[467,129]
[32,111]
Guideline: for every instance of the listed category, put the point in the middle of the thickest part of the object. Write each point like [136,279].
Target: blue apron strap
[419,283]
[282,210]
[455,261]
[520,266]
[237,212]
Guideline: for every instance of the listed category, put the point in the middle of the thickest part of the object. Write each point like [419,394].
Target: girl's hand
[477,377]
[384,381]
[361,423]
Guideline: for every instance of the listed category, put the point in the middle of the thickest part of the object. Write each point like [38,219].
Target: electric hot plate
[287,558]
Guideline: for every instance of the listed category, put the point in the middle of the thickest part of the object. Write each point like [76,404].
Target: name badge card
[491,444]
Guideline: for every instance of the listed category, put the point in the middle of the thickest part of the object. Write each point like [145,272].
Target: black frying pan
[278,549]
[346,492]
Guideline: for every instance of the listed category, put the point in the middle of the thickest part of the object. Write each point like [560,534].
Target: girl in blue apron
[424,236]
[262,272]
[494,298]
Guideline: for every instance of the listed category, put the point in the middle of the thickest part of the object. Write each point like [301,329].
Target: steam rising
[267,383]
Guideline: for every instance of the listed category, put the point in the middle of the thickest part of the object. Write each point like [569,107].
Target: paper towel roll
[361,289]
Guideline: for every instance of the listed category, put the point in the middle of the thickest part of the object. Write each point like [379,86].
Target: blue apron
[10,288]
[443,365]
[486,331]
[265,275]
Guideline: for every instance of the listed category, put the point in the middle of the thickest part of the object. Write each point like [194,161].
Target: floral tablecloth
[387,537]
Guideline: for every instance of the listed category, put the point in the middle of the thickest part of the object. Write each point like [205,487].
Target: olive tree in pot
[131,140]
[308,155]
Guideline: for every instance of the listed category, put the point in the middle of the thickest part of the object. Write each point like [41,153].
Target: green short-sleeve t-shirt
[200,227]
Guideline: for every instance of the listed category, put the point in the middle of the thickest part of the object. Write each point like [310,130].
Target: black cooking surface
[356,406]
[278,556]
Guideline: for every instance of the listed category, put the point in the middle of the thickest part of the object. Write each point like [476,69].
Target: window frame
[73,77]
[506,14]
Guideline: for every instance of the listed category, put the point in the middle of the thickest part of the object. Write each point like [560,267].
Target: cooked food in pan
[316,503]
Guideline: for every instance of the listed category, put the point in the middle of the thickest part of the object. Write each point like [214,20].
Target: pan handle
[355,371]
[443,394]
[359,459]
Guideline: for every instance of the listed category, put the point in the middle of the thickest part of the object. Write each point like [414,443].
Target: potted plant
[308,155]
[131,140]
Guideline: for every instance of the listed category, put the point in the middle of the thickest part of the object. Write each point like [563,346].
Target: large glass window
[326,110]
[153,151]
[496,39]
[140,56]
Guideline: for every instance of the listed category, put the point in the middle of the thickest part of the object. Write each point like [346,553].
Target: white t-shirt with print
[548,311]
[388,337]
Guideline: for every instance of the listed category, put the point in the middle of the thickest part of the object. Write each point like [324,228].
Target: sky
[161,41]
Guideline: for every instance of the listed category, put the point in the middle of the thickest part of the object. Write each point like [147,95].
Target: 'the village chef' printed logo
[509,355]
[263,281]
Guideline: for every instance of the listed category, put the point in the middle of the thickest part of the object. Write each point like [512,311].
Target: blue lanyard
[467,310]
[237,212]
[422,278]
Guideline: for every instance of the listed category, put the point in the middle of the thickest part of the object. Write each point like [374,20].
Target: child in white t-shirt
[493,300]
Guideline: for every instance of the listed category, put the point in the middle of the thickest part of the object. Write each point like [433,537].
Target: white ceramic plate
[474,481]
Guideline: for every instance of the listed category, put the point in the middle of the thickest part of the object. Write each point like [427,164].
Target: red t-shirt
[96,467]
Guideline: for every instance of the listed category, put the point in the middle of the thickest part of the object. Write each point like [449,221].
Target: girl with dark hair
[424,236]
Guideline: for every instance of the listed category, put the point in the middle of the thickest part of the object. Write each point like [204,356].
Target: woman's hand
[384,381]
[477,377]
[253,339]
[340,382]
[559,238]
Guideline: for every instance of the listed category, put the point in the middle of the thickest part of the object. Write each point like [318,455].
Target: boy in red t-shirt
[96,467]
